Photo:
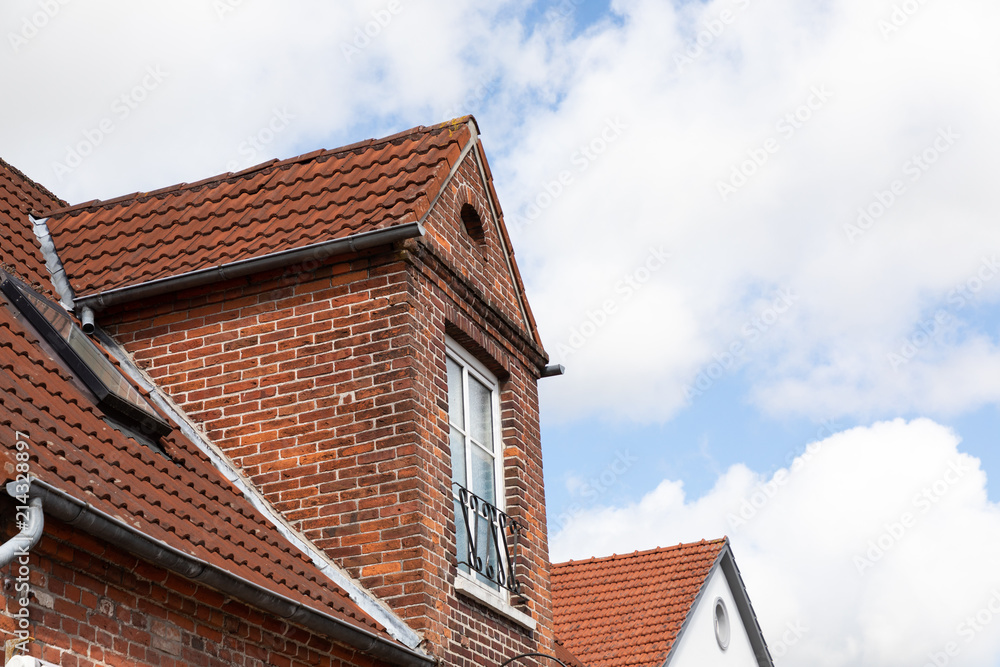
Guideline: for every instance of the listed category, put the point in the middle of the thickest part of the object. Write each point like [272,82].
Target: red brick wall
[94,605]
[326,384]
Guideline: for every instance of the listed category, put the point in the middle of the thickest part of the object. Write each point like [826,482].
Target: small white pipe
[24,541]
[87,320]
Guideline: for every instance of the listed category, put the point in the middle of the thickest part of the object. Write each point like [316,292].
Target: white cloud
[785,226]
[338,68]
[643,140]
[880,540]
[692,92]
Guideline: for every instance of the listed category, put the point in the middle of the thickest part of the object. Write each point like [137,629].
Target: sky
[760,235]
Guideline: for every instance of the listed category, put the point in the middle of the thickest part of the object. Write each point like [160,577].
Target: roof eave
[727,563]
[314,252]
[64,507]
[747,614]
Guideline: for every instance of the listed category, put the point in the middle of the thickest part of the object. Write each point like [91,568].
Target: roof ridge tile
[319,154]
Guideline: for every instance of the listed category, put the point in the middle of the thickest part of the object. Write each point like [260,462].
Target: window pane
[483,484]
[458,473]
[455,403]
[89,353]
[481,409]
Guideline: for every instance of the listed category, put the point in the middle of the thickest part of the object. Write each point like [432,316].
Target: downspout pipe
[24,541]
[93,521]
[87,320]
[316,252]
[553,370]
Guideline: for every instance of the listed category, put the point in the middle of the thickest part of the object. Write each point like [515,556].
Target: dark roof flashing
[116,397]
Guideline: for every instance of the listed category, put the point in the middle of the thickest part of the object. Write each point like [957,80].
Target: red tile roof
[565,656]
[19,249]
[626,611]
[263,210]
[182,501]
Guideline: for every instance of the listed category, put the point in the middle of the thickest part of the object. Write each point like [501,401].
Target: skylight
[116,396]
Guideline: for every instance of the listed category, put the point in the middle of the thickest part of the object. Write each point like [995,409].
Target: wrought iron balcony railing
[488,538]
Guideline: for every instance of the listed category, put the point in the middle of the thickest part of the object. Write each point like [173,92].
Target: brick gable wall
[326,383]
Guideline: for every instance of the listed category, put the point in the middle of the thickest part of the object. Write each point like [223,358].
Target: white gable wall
[697,646]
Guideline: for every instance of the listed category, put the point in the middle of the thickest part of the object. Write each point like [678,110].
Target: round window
[721,624]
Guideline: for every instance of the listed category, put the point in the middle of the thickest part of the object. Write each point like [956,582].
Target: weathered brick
[329,388]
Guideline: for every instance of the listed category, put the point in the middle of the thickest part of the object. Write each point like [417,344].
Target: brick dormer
[350,328]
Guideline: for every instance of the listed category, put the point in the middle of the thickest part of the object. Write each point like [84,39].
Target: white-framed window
[476,448]
[487,571]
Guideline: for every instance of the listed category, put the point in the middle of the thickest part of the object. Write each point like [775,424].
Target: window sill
[473,589]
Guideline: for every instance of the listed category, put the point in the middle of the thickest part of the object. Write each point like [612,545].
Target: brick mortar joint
[442,268]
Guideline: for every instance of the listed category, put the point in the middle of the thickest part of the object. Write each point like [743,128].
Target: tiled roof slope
[263,210]
[565,656]
[19,249]
[182,501]
[626,611]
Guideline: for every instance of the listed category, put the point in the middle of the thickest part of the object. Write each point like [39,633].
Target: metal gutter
[368,603]
[55,266]
[27,538]
[93,521]
[314,252]
[553,370]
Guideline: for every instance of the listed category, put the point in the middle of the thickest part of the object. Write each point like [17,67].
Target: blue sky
[717,431]
[735,220]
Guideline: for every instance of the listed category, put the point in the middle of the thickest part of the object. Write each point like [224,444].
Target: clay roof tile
[627,610]
[268,208]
